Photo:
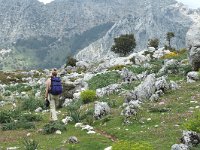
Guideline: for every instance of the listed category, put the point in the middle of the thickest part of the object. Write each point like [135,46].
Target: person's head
[54,72]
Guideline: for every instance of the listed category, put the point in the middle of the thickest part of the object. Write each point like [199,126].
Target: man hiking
[52,93]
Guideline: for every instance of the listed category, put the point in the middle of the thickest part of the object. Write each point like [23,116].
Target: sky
[190,3]
[45,1]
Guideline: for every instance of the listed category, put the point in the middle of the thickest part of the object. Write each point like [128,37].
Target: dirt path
[105,134]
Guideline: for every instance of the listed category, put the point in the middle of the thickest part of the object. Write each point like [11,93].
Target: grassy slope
[162,137]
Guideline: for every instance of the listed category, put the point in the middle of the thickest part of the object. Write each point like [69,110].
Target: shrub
[53,126]
[103,80]
[71,61]
[132,59]
[137,70]
[30,144]
[170,55]
[193,124]
[31,104]
[126,145]
[153,43]
[117,67]
[74,111]
[30,117]
[124,44]
[88,96]
[17,125]
[7,116]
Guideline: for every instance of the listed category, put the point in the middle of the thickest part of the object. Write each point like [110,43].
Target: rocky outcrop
[101,109]
[193,44]
[143,23]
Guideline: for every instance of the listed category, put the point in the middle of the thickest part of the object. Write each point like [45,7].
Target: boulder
[193,44]
[67,119]
[179,147]
[101,109]
[161,84]
[73,140]
[190,138]
[108,90]
[127,76]
[192,76]
[145,90]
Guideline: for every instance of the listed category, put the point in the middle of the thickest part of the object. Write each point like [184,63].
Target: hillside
[141,102]
[42,36]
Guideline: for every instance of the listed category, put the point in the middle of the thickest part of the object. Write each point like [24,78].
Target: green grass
[103,80]
[167,132]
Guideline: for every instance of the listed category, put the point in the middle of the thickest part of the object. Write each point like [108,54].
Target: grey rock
[190,138]
[101,109]
[179,147]
[192,76]
[173,85]
[193,44]
[73,140]
[146,89]
[108,90]
[127,76]
[39,109]
[161,84]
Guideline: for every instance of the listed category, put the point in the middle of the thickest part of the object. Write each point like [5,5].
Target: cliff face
[153,21]
[43,35]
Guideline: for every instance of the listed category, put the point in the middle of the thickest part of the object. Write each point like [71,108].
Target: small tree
[153,43]
[124,44]
[71,61]
[170,35]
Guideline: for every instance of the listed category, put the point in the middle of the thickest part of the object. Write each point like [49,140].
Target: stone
[12,148]
[91,132]
[39,109]
[190,138]
[192,76]
[173,85]
[58,132]
[161,84]
[67,119]
[101,109]
[108,148]
[73,139]
[179,147]
[110,89]
[193,44]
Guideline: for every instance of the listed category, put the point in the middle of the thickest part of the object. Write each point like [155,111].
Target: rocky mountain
[153,21]
[42,36]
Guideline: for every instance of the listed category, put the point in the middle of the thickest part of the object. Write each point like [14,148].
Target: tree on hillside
[124,44]
[170,35]
[153,43]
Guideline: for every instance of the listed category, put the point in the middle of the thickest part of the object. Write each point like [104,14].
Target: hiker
[52,94]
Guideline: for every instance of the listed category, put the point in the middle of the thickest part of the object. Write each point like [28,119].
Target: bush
[7,116]
[53,126]
[103,80]
[30,117]
[74,111]
[30,144]
[17,125]
[31,104]
[126,145]
[193,124]
[88,96]
[171,55]
[71,61]
[117,67]
[124,44]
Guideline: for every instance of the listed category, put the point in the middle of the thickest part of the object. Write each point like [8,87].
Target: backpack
[56,86]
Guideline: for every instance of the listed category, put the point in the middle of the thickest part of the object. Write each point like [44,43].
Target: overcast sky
[190,3]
